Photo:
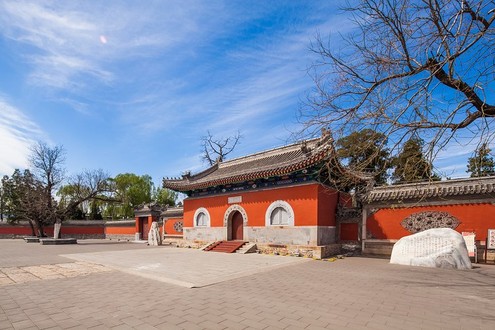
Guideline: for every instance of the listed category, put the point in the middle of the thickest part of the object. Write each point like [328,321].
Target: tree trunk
[33,233]
[41,230]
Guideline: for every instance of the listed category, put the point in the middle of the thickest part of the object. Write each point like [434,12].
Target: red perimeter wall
[169,226]
[76,229]
[478,218]
[312,204]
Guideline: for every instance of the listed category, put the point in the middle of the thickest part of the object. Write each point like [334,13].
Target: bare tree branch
[216,150]
[410,67]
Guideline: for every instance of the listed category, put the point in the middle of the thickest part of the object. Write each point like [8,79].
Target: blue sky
[132,86]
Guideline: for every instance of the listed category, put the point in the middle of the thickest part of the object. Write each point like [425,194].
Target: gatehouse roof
[275,162]
[435,189]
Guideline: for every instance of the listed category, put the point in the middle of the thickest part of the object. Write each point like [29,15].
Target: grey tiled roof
[435,189]
[275,162]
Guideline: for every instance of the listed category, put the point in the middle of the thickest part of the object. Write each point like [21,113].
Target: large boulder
[439,247]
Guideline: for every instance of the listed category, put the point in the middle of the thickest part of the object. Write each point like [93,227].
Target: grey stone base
[291,235]
[307,251]
[114,237]
[32,239]
[57,241]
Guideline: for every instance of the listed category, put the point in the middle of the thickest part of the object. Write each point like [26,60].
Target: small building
[279,199]
[145,215]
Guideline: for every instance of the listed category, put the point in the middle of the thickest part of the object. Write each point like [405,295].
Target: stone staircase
[225,246]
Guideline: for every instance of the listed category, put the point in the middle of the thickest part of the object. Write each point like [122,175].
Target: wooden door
[144,233]
[237,226]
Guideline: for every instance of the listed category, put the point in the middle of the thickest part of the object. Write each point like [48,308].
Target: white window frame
[199,211]
[284,205]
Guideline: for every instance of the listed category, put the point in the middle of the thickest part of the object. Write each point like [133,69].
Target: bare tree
[215,150]
[25,200]
[88,185]
[409,68]
[47,164]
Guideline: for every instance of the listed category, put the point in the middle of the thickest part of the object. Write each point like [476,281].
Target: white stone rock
[438,247]
[154,235]
[56,229]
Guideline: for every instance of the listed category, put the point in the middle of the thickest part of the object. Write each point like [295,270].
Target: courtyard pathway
[93,290]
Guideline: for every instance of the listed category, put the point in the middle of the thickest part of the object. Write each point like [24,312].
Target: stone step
[247,248]
[225,246]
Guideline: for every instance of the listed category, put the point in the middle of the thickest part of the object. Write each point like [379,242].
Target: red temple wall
[478,218]
[129,230]
[327,206]
[169,226]
[349,231]
[303,199]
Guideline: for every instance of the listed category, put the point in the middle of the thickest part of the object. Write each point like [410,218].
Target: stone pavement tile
[251,315]
[46,324]
[17,316]
[168,326]
[88,323]
[153,320]
[335,322]
[110,322]
[68,323]
[291,322]
[122,327]
[274,324]
[6,325]
[146,327]
[234,318]
[249,323]
[6,281]
[132,321]
[59,316]
[313,322]
[175,320]
[215,318]
[23,324]
[229,324]
[189,326]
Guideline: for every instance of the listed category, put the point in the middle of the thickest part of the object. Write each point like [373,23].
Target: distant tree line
[43,194]
[366,151]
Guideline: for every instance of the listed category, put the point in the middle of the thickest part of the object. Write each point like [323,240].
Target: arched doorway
[237,226]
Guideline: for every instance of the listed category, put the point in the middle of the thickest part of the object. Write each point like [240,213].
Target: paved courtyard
[106,284]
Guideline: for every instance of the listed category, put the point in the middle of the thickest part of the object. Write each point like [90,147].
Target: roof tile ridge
[204,172]
[269,152]
[451,182]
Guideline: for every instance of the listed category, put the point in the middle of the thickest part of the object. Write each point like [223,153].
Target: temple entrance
[143,227]
[237,226]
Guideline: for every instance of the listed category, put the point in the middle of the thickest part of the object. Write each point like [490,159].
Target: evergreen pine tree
[411,164]
[366,151]
[481,163]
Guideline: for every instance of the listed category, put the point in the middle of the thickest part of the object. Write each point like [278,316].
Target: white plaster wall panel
[283,235]
[205,234]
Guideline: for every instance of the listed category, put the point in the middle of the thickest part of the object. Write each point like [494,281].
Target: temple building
[277,198]
[282,200]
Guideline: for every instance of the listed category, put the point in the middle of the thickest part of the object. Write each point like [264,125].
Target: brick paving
[353,293]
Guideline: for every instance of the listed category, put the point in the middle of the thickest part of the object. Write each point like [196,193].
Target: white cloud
[63,39]
[17,134]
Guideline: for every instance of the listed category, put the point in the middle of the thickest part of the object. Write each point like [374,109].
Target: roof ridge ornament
[305,149]
[326,137]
